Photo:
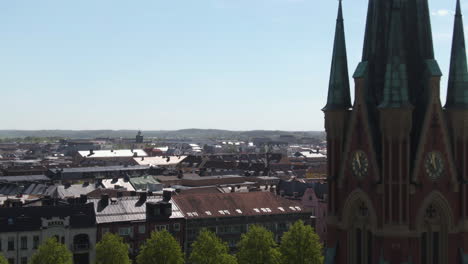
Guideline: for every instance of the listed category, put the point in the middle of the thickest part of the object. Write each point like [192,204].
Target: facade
[229,215]
[397,158]
[315,198]
[23,229]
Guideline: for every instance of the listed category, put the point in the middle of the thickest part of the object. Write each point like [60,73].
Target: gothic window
[358,246]
[361,252]
[432,239]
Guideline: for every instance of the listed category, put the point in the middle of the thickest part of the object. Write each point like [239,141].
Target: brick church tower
[397,159]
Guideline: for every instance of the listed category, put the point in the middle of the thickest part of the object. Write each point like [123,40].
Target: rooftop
[236,204]
[119,153]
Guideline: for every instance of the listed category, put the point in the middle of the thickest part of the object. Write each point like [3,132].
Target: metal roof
[24,178]
[114,183]
[119,153]
[127,209]
[74,190]
[236,204]
[160,160]
[101,169]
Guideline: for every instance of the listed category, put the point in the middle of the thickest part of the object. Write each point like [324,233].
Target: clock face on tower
[434,164]
[359,164]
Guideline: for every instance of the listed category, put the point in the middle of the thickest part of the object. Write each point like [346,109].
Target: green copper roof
[457,90]
[395,92]
[338,90]
[426,47]
[361,70]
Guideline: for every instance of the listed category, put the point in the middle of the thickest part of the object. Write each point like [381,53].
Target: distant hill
[184,133]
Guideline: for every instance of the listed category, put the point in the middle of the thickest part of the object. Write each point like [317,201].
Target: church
[397,155]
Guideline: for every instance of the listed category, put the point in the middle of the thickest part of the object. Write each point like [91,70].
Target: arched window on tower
[361,241]
[433,236]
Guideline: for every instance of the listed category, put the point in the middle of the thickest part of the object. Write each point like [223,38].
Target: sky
[164,65]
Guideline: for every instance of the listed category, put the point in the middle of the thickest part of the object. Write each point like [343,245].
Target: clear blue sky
[172,64]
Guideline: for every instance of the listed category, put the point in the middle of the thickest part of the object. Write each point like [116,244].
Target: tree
[112,250]
[3,260]
[160,248]
[301,245]
[209,249]
[51,251]
[257,246]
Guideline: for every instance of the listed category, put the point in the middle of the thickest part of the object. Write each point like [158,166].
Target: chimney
[83,199]
[104,200]
[143,196]
[167,196]
[91,152]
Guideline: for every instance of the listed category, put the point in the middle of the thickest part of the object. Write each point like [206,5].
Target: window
[162,227]
[11,243]
[125,231]
[1,248]
[35,242]
[24,260]
[105,230]
[358,246]
[141,229]
[424,248]
[236,229]
[62,240]
[176,227]
[24,242]
[157,211]
[11,261]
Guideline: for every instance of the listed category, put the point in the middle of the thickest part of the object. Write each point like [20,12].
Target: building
[229,215]
[135,217]
[139,138]
[397,164]
[23,229]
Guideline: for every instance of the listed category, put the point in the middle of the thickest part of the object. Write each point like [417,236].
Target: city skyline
[236,65]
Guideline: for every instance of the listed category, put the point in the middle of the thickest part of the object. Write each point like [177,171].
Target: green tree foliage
[3,260]
[112,250]
[209,249]
[301,245]
[160,248]
[258,246]
[51,251]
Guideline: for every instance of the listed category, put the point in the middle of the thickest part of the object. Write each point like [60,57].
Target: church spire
[338,90]
[457,91]
[395,93]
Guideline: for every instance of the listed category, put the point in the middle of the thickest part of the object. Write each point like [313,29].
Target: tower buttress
[337,108]
[395,124]
[456,106]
